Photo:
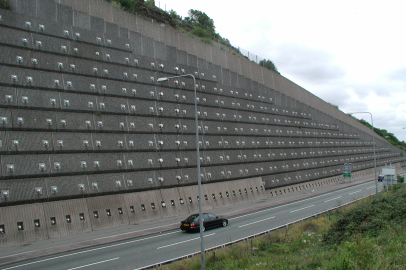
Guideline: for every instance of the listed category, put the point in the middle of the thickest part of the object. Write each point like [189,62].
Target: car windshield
[192,218]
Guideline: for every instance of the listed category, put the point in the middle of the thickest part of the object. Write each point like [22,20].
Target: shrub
[5,4]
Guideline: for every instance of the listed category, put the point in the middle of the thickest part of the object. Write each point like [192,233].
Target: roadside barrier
[222,246]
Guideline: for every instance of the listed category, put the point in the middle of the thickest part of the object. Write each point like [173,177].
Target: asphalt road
[153,249]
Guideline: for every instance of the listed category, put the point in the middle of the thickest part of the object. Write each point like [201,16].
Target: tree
[201,24]
[269,65]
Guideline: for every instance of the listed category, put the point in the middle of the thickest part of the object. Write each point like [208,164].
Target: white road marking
[83,266]
[90,250]
[134,231]
[301,208]
[354,192]
[333,199]
[371,187]
[255,212]
[184,241]
[255,222]
[280,206]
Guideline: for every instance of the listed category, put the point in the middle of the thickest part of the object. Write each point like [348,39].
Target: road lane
[149,250]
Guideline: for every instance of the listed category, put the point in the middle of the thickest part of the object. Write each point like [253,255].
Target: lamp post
[373,142]
[199,179]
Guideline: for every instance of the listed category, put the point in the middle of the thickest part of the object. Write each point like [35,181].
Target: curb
[20,257]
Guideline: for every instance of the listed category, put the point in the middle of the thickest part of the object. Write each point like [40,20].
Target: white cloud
[349,53]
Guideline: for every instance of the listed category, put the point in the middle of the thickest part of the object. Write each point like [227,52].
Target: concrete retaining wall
[90,140]
[32,222]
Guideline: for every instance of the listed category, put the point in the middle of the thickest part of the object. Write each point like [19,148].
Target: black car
[381,177]
[209,221]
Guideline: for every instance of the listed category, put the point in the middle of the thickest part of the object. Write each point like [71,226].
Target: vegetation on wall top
[196,24]
[390,137]
[5,4]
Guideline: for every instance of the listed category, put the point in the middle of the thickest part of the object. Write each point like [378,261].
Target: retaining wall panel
[67,186]
[145,199]
[25,214]
[28,141]
[102,205]
[24,189]
[60,210]
[24,166]
[167,196]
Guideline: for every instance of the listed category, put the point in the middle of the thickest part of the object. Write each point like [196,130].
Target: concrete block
[24,190]
[39,120]
[65,186]
[181,57]
[23,215]
[167,142]
[146,206]
[140,142]
[107,211]
[191,192]
[46,10]
[165,94]
[124,33]
[81,19]
[67,141]
[20,142]
[141,124]
[66,217]
[144,160]
[170,202]
[24,165]
[191,62]
[237,191]
[67,121]
[69,163]
[113,105]
[108,142]
[159,50]
[97,24]
[102,183]
[64,14]
[147,47]
[38,99]
[218,192]
[171,52]
[8,96]
[3,142]
[104,123]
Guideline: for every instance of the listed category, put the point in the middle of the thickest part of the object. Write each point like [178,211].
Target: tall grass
[368,234]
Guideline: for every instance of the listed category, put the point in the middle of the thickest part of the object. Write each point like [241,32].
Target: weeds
[366,235]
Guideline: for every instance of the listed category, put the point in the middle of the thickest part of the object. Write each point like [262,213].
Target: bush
[369,219]
[5,4]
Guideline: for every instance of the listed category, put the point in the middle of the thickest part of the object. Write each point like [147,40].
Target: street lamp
[373,142]
[199,180]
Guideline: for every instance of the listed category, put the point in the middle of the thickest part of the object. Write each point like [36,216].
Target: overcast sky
[348,53]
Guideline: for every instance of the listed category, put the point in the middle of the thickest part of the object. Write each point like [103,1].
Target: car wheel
[225,223]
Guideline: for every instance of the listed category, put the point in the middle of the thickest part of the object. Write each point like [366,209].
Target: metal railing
[222,246]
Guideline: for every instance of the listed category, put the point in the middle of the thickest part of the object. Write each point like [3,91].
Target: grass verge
[368,234]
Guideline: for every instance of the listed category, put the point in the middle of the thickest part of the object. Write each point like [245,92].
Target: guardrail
[222,246]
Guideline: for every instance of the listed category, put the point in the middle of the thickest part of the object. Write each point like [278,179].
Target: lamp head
[163,79]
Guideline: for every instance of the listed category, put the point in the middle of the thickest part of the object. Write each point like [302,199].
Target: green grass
[368,234]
